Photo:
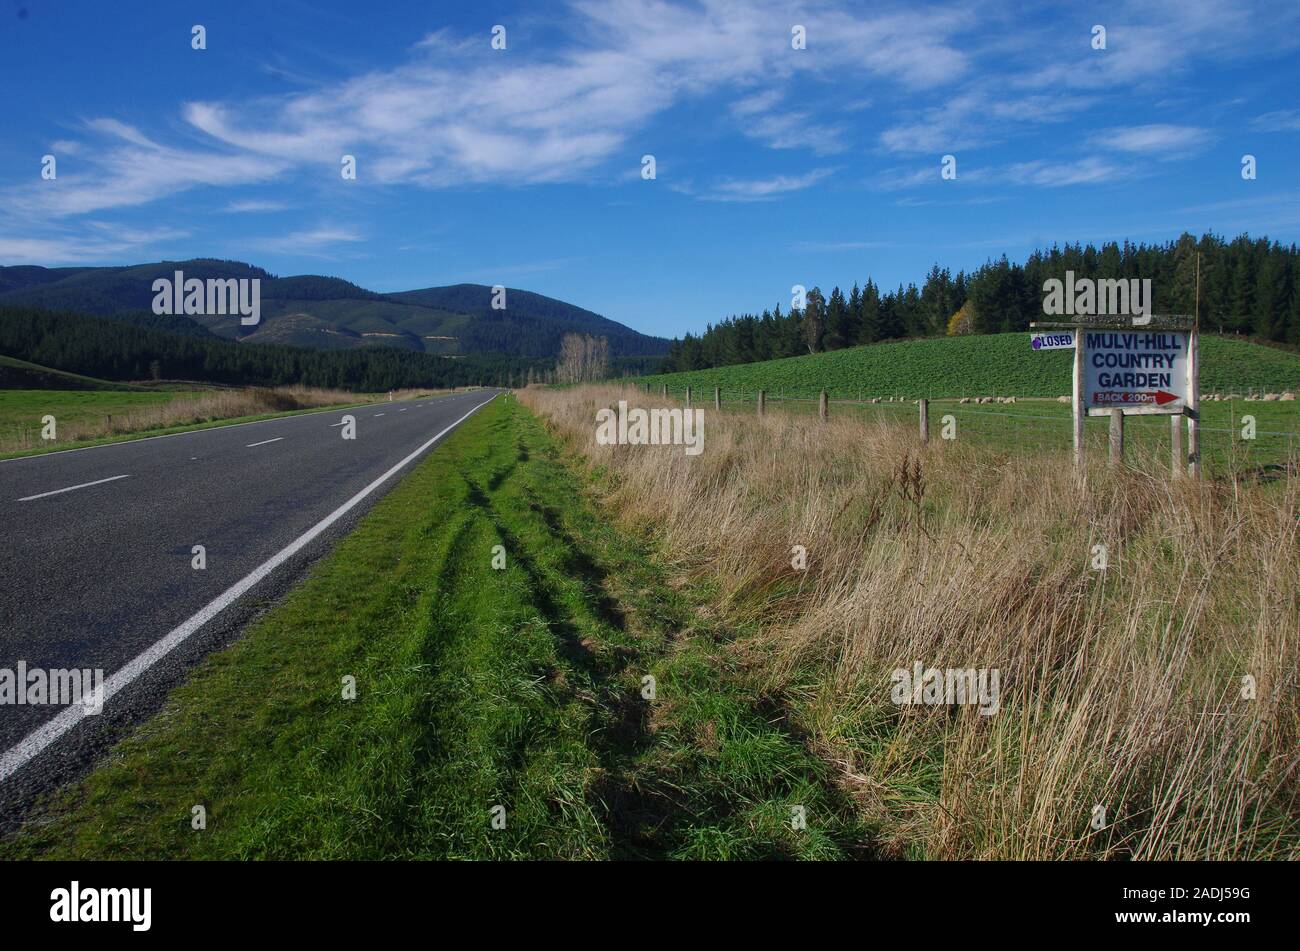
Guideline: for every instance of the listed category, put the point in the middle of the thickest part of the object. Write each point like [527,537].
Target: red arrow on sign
[1162,397]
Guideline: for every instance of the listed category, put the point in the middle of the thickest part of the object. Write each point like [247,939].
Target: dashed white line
[377,415]
[30,746]
[72,487]
[263,442]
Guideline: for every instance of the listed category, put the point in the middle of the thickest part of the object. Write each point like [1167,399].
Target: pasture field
[983,365]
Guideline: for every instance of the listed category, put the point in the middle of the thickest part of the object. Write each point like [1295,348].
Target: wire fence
[1235,435]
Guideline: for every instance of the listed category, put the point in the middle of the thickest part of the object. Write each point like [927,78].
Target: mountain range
[329,313]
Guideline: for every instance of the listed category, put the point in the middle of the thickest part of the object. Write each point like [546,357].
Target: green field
[992,365]
[476,688]
[21,410]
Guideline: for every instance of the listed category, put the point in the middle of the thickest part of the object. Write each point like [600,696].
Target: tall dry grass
[1120,689]
[206,406]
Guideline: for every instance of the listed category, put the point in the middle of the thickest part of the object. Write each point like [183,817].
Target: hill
[21,375]
[118,350]
[982,365]
[328,313]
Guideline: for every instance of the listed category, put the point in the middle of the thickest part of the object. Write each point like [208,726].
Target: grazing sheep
[1064,399]
[964,399]
[1011,399]
[1270,397]
[1287,397]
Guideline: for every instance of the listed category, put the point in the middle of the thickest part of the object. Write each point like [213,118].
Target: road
[97,555]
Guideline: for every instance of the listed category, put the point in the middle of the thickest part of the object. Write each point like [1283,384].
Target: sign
[1061,340]
[1138,371]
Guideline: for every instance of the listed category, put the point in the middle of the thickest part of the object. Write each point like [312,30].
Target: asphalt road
[101,575]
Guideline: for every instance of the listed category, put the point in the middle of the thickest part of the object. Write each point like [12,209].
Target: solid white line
[339,423]
[71,487]
[263,442]
[30,746]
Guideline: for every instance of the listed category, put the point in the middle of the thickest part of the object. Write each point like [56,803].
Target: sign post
[1123,367]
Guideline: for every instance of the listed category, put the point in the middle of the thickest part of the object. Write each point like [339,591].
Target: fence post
[925,419]
[1116,436]
[717,397]
[1176,441]
[665,394]
[822,407]
[760,402]
[688,397]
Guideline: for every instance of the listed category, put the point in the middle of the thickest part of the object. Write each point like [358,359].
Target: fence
[1032,424]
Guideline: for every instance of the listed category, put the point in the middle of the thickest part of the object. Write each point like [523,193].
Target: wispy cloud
[1091,171]
[763,189]
[1170,139]
[313,242]
[256,207]
[1282,120]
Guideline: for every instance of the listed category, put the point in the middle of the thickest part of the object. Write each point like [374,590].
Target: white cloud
[1173,139]
[1283,120]
[94,242]
[254,206]
[311,241]
[764,189]
[1091,170]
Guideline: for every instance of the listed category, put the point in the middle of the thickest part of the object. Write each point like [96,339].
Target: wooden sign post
[1126,366]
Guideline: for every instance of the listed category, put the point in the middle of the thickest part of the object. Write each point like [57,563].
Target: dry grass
[1119,688]
[208,406]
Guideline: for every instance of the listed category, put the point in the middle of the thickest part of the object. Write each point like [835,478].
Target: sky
[526,166]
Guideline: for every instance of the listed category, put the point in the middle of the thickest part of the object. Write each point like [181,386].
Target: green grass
[476,687]
[21,410]
[988,365]
[1042,425]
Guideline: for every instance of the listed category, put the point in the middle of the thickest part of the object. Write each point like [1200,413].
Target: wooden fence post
[1176,443]
[823,408]
[1116,436]
[665,394]
[1078,412]
[760,402]
[717,397]
[688,397]
[925,419]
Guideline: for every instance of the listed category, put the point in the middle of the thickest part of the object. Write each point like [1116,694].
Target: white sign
[1061,340]
[1139,372]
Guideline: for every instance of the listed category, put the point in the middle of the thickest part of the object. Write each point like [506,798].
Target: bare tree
[583,358]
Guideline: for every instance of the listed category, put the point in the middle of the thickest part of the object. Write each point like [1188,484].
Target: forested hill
[117,350]
[330,313]
[1249,286]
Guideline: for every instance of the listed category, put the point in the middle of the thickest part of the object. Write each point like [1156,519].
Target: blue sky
[522,166]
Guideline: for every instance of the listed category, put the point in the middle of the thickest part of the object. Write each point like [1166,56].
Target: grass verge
[522,687]
[97,418]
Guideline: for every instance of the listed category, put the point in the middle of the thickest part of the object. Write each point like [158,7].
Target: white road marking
[30,746]
[339,423]
[263,442]
[72,487]
[377,415]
